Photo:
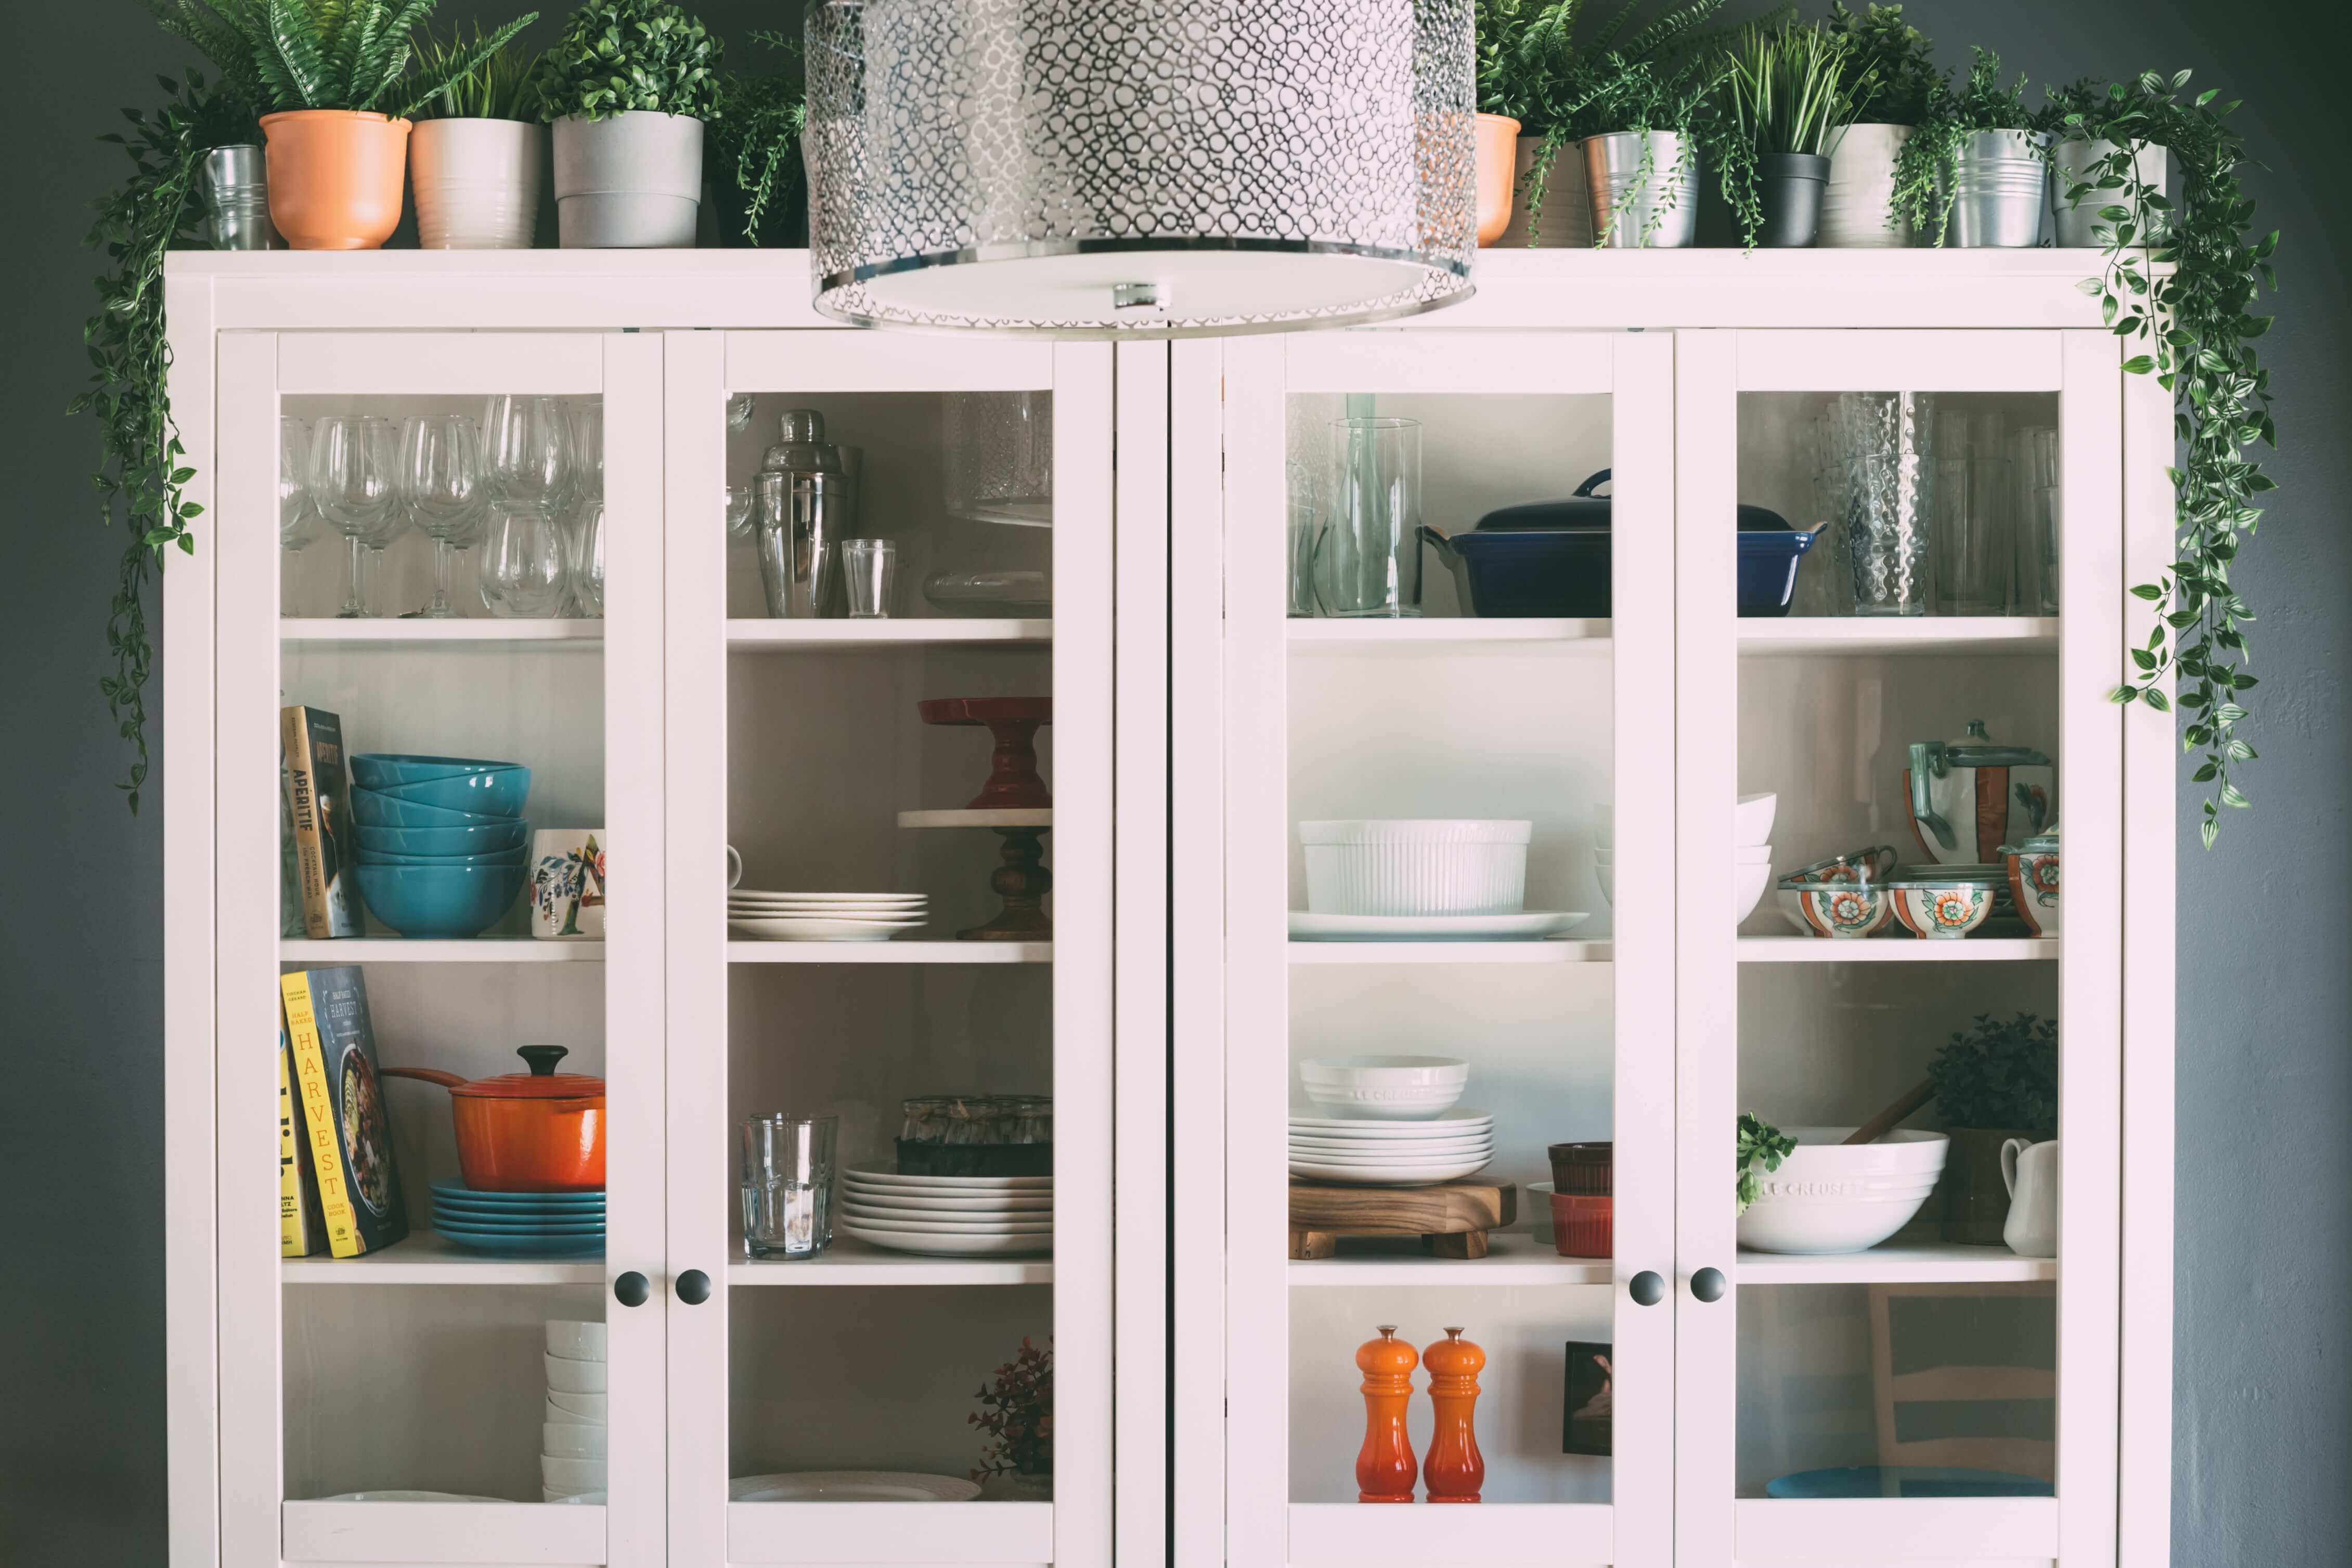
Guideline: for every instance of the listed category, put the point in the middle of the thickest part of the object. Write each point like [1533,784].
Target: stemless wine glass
[527,454]
[353,458]
[298,520]
[522,570]
[441,481]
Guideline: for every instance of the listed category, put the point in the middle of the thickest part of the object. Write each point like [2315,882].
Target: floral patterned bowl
[1852,871]
[2032,869]
[1941,901]
[1836,908]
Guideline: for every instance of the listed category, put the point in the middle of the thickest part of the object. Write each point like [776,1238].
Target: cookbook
[318,794]
[301,1229]
[341,1107]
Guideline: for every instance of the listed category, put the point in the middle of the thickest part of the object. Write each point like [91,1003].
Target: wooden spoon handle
[1878,1126]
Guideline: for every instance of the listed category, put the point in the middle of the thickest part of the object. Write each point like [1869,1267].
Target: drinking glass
[298,520]
[2033,466]
[353,460]
[1969,537]
[787,1191]
[1884,441]
[1300,556]
[441,481]
[1368,557]
[523,563]
[527,454]
[584,540]
[871,566]
[738,511]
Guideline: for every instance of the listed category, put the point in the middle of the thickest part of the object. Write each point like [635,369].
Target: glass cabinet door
[1896,627]
[437,645]
[1447,945]
[889,1003]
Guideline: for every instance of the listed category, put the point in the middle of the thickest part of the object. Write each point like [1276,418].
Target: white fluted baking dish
[1436,866]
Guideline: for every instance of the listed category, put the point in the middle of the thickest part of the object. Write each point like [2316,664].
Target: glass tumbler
[523,566]
[870,567]
[2033,470]
[788,1177]
[1300,551]
[1969,537]
[1883,440]
[1368,556]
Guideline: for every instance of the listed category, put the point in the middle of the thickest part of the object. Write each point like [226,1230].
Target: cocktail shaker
[802,513]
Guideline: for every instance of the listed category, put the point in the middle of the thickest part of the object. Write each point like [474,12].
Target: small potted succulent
[335,80]
[1997,1082]
[755,148]
[1975,172]
[1890,80]
[627,87]
[474,157]
[1786,86]
[1017,1413]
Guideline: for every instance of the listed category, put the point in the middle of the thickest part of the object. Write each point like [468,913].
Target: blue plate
[1906,1480]
[518,1210]
[456,1227]
[474,1222]
[532,1245]
[460,1193]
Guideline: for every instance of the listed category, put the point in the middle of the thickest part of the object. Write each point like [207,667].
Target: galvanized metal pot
[237,199]
[2000,187]
[2077,220]
[632,181]
[1647,182]
[1550,206]
[1857,201]
[1794,182]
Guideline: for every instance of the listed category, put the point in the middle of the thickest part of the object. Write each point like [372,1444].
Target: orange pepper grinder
[1384,1466]
[1454,1470]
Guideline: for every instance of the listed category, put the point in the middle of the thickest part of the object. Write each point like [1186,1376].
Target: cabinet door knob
[1707,1284]
[694,1287]
[631,1289]
[1648,1288]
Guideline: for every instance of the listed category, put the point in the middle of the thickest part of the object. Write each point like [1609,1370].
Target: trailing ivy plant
[1888,69]
[617,56]
[1760,1144]
[755,134]
[327,54]
[1685,96]
[1980,103]
[2197,324]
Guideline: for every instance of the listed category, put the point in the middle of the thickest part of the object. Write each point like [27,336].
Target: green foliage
[325,54]
[1889,70]
[1762,1144]
[1679,94]
[1787,87]
[2002,1075]
[755,130]
[141,477]
[1980,103]
[1017,1413]
[2197,324]
[504,86]
[617,56]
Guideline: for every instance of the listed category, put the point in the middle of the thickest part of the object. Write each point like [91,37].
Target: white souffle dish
[1416,867]
[1829,1197]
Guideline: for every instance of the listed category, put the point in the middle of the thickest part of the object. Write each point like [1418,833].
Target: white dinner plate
[850,1486]
[1358,1156]
[969,1186]
[874,1210]
[1387,1176]
[409,1497]
[1320,1141]
[1457,1122]
[805,928]
[753,894]
[1528,926]
[891,1200]
[1024,1227]
[837,907]
[933,1244]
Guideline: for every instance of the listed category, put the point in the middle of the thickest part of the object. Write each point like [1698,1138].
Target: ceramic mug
[567,884]
[2030,1171]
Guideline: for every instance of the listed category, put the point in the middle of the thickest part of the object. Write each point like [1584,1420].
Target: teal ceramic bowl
[373,808]
[383,770]
[499,794]
[491,838]
[503,857]
[438,901]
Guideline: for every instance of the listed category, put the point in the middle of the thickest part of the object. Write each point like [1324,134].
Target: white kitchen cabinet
[1207,1405]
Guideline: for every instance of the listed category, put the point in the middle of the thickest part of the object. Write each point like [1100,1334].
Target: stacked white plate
[571,1441]
[824,917]
[1452,1143]
[947,1217]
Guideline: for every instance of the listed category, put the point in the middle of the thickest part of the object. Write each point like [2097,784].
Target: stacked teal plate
[534,1224]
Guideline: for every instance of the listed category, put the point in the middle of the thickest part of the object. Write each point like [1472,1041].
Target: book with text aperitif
[319,792]
[342,1109]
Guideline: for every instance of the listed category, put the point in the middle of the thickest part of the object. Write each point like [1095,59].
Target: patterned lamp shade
[1139,168]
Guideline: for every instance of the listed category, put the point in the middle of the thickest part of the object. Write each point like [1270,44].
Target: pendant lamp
[1139,168]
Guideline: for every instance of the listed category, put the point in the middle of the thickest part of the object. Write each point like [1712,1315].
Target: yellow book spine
[291,1242]
[319,1118]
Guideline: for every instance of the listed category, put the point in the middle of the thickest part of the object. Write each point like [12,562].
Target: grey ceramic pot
[2000,188]
[630,183]
[1794,184]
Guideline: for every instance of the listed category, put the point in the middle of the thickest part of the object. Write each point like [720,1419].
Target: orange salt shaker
[1384,1466]
[1454,1470]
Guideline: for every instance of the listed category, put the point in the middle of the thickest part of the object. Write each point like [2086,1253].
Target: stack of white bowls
[759,916]
[1752,850]
[572,1442]
[948,1216]
[1386,1121]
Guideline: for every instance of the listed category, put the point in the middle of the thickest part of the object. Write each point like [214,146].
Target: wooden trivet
[1452,1219]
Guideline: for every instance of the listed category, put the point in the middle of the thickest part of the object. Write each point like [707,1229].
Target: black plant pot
[1792,186]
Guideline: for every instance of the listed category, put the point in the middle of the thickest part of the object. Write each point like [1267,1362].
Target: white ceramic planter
[1564,215]
[1862,188]
[1442,867]
[476,182]
[630,183]
[2077,220]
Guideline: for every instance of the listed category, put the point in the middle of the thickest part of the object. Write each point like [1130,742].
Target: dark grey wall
[2264,1180]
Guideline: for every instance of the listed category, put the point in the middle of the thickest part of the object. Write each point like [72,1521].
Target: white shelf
[441,1532]
[1893,1263]
[464,950]
[853,1262]
[889,952]
[1513,1257]
[1351,1534]
[752,635]
[893,1532]
[426,1259]
[1917,635]
[1011,817]
[1374,634]
[397,629]
[1898,949]
[1555,950]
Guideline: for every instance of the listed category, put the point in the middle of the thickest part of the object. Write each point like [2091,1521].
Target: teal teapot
[1969,797]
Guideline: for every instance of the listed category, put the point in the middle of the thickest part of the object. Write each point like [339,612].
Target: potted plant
[1017,1413]
[1789,95]
[1888,74]
[474,157]
[335,80]
[1998,1082]
[755,146]
[627,87]
[1647,127]
[1975,172]
[2094,173]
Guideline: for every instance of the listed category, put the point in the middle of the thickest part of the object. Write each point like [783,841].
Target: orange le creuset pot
[541,1131]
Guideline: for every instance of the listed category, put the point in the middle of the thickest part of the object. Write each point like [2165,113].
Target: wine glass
[585,538]
[441,480]
[353,459]
[523,571]
[527,454]
[298,520]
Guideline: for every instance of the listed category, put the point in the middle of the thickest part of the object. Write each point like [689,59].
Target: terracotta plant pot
[1498,147]
[335,177]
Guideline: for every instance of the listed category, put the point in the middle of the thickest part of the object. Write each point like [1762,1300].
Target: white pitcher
[2030,1171]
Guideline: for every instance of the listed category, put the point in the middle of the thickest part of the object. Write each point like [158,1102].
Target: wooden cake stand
[1452,1219]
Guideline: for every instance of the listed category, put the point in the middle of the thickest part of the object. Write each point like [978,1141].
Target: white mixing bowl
[1828,1196]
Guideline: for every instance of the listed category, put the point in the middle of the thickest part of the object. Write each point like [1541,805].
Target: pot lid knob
[542,1058]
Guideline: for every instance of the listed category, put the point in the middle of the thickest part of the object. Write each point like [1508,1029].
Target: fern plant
[504,86]
[755,135]
[619,56]
[1980,103]
[326,53]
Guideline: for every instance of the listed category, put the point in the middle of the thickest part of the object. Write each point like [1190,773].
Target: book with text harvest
[341,1108]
